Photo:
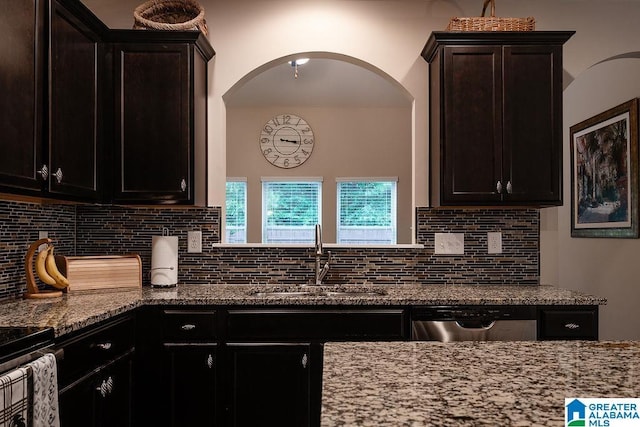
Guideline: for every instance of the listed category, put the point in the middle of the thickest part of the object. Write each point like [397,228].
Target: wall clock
[286,141]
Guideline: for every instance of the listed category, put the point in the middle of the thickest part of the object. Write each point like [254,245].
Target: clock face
[286,141]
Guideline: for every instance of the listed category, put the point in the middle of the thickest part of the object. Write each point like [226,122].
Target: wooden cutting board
[101,272]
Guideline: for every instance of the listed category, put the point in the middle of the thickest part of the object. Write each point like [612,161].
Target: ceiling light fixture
[295,63]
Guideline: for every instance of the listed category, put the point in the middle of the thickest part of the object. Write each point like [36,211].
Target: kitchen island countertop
[76,310]
[471,383]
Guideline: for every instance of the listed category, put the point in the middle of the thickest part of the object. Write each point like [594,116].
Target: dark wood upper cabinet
[91,114]
[495,118]
[76,66]
[50,104]
[160,81]
[22,76]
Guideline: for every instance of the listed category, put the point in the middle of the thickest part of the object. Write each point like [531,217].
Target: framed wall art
[604,177]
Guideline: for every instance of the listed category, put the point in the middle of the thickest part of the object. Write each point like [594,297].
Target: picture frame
[604,174]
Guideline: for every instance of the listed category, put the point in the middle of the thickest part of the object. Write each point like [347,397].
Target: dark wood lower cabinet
[269,384]
[102,399]
[259,366]
[568,323]
[190,371]
[95,375]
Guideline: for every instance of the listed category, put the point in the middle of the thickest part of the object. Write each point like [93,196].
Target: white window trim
[287,179]
[246,213]
[394,203]
[367,179]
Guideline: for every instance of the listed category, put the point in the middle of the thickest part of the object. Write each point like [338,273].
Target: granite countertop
[471,383]
[76,310]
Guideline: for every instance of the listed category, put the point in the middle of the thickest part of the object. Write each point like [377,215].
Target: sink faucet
[320,272]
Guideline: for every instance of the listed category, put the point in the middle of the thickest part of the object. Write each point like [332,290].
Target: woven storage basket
[176,15]
[491,23]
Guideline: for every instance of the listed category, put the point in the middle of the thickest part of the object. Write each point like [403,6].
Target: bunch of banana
[47,269]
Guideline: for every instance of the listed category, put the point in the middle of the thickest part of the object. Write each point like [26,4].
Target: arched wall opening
[362,119]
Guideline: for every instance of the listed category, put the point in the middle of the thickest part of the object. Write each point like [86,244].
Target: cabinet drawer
[321,325]
[95,348]
[189,326]
[569,324]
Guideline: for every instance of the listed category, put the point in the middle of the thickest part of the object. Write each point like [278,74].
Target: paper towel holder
[164,260]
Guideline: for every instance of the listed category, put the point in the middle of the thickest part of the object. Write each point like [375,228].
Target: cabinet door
[191,375]
[22,72]
[73,111]
[153,153]
[102,399]
[268,384]
[533,123]
[472,113]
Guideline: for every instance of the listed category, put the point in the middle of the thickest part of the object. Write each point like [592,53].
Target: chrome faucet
[320,272]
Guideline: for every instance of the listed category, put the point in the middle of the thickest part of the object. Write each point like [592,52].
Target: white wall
[390,35]
[604,267]
[348,144]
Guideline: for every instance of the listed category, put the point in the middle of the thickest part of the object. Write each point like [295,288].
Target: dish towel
[45,391]
[14,398]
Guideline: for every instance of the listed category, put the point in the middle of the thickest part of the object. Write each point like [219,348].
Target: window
[290,210]
[366,211]
[236,207]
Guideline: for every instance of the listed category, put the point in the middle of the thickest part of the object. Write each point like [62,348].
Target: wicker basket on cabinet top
[491,23]
[176,15]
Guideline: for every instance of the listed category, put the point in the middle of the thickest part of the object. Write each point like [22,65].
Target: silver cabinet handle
[188,327]
[305,360]
[210,362]
[183,185]
[58,176]
[572,326]
[44,172]
[509,187]
[499,187]
[106,387]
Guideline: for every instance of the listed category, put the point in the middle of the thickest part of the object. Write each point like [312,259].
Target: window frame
[393,208]
[246,210]
[265,181]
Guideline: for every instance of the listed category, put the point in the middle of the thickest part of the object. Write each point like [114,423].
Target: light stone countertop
[471,383]
[74,311]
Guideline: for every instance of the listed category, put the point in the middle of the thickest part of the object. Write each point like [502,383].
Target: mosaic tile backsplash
[111,230]
[19,226]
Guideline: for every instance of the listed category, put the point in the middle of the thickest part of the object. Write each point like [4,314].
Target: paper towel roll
[164,261]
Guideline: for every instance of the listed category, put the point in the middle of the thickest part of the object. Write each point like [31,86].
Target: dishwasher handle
[475,324]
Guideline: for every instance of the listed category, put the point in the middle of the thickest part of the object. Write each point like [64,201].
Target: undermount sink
[281,294]
[354,293]
[320,292]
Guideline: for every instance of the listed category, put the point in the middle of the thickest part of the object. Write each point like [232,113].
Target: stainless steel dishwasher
[473,323]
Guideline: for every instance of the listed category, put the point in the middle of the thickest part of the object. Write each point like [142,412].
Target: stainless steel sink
[318,292]
[282,294]
[355,293]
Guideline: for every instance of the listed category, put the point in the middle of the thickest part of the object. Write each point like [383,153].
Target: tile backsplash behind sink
[100,230]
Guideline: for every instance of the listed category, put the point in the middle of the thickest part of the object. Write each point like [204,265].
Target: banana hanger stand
[32,288]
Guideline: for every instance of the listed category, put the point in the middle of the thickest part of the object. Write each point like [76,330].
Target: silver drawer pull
[188,327]
[104,345]
[572,326]
[499,187]
[305,360]
[509,187]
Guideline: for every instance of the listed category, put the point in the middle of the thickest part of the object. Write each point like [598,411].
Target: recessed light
[299,61]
